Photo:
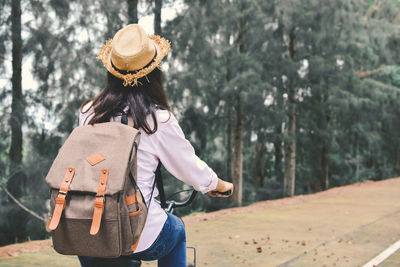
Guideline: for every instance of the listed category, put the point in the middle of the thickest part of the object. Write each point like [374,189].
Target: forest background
[279,97]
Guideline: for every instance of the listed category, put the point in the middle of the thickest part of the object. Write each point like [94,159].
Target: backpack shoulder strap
[160,186]
[128,120]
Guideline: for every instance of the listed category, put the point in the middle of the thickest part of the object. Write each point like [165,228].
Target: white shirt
[169,145]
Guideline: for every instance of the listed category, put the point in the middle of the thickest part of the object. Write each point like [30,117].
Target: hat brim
[162,45]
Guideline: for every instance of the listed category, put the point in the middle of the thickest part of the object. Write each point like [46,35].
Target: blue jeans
[169,248]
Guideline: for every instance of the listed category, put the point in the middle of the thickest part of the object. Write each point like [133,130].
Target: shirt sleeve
[178,157]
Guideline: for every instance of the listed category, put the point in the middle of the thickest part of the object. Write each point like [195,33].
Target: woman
[134,86]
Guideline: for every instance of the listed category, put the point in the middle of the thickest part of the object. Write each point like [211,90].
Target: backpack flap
[91,148]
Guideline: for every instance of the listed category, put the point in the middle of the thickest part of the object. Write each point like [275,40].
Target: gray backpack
[97,208]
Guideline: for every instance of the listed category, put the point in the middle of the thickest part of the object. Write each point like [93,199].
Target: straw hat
[132,54]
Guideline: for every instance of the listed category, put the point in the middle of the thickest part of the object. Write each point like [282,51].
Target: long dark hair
[143,100]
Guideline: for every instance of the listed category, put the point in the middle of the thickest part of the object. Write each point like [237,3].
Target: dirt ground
[344,226]
[27,247]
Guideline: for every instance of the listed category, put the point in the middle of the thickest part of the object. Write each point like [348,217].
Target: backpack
[97,208]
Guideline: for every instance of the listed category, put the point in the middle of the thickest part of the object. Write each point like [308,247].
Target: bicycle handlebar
[169,205]
[185,203]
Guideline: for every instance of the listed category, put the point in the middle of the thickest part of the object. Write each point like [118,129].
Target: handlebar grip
[227,193]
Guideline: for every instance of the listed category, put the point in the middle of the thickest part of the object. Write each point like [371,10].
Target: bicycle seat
[117,262]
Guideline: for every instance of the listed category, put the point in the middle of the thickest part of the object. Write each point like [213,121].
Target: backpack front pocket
[72,237]
[137,212]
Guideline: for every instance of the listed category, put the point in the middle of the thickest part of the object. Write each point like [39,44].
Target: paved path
[344,227]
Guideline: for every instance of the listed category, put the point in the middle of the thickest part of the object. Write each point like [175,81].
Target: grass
[44,258]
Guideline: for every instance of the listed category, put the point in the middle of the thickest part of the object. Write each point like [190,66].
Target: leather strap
[60,200]
[99,203]
[130,199]
[135,213]
[134,246]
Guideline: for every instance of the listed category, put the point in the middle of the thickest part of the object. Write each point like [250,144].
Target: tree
[157,16]
[17,180]
[290,144]
[132,11]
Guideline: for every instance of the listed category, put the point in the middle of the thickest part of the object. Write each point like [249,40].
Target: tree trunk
[323,140]
[290,146]
[15,183]
[17,178]
[133,11]
[229,142]
[17,106]
[398,161]
[238,154]
[325,165]
[290,154]
[237,166]
[357,164]
[278,153]
[109,31]
[229,105]
[278,134]
[157,16]
[259,161]
[325,151]
[278,140]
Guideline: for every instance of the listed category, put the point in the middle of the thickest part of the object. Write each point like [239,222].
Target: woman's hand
[222,187]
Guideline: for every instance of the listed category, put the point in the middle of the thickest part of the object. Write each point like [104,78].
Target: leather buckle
[60,201]
[99,202]
[102,196]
